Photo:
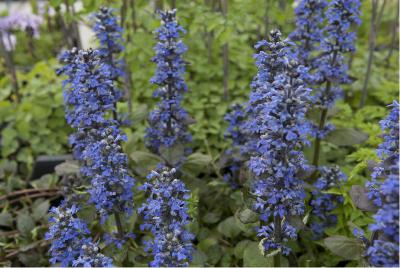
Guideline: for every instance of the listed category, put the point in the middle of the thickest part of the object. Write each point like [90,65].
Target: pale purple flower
[21,21]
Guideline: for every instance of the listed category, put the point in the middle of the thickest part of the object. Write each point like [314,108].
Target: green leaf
[240,248]
[196,163]
[297,222]
[144,162]
[347,248]
[69,167]
[252,257]
[29,258]
[212,250]
[45,182]
[139,113]
[229,227]
[5,92]
[88,214]
[306,218]
[226,259]
[271,253]
[207,243]
[360,199]
[6,219]
[41,210]
[199,258]
[25,223]
[307,260]
[9,143]
[40,112]
[211,217]
[237,196]
[172,155]
[247,216]
[346,137]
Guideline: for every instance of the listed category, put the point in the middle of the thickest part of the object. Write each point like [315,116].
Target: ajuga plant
[71,243]
[235,131]
[165,216]
[329,74]
[168,123]
[384,191]
[281,100]
[89,101]
[269,64]
[109,34]
[90,97]
[332,69]
[323,204]
[308,33]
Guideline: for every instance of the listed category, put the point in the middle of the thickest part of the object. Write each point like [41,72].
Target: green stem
[317,145]
[277,260]
[9,63]
[292,260]
[215,167]
[322,121]
[119,225]
[278,238]
[372,33]
[225,53]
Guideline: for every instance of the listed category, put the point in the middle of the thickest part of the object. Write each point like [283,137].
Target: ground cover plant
[200,133]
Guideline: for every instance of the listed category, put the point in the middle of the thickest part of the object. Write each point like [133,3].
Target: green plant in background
[222,219]
[34,126]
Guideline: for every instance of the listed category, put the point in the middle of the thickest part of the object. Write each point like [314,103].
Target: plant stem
[123,10]
[133,15]
[266,19]
[292,260]
[371,42]
[393,43]
[8,59]
[72,26]
[278,238]
[119,225]
[31,44]
[277,260]
[158,5]
[317,144]
[216,169]
[127,71]
[26,192]
[225,52]
[322,121]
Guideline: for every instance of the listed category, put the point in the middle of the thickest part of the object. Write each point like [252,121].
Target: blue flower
[323,204]
[109,34]
[236,132]
[331,71]
[279,129]
[341,14]
[165,216]
[384,191]
[71,244]
[168,123]
[91,257]
[116,240]
[339,39]
[308,32]
[269,240]
[89,101]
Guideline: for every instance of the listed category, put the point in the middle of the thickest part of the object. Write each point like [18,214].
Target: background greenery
[223,223]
